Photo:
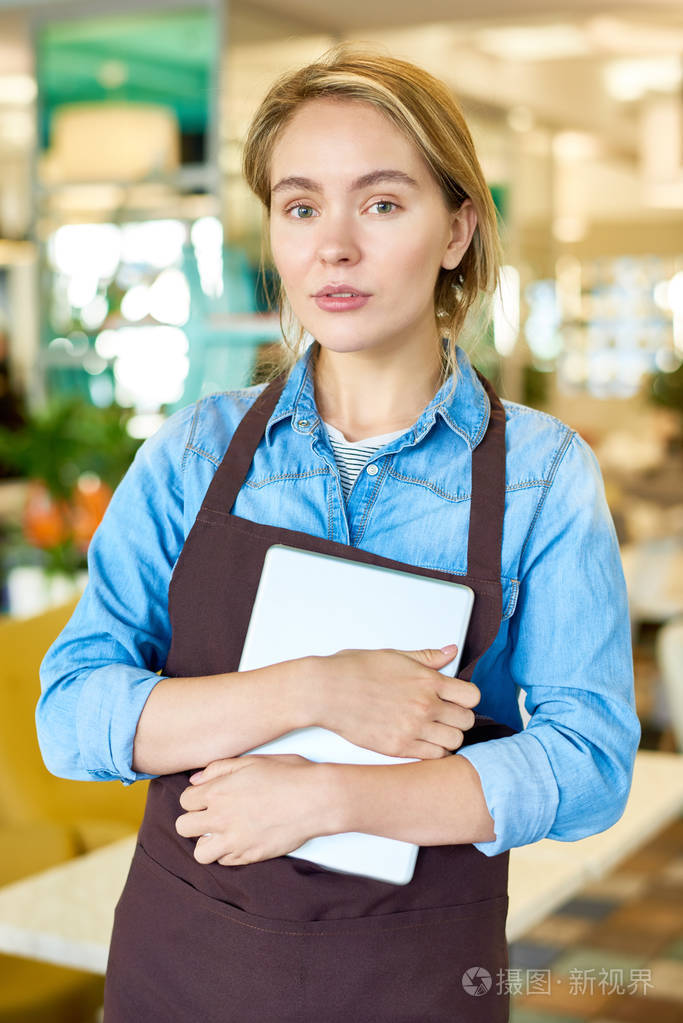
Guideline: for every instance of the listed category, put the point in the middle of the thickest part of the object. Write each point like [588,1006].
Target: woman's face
[356,213]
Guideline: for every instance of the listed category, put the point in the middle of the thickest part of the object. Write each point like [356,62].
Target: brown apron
[284,940]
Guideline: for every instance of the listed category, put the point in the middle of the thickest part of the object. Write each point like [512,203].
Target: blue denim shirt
[564,639]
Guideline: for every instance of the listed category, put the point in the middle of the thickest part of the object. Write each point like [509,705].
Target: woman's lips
[340,301]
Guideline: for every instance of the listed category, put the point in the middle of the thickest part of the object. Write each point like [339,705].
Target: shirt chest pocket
[510,595]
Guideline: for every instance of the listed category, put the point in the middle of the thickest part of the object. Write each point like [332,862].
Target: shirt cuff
[107,715]
[519,788]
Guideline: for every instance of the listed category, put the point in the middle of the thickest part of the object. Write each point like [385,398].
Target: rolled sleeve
[506,767]
[109,706]
[98,674]
[568,774]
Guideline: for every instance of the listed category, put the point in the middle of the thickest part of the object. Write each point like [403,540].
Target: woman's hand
[394,701]
[254,807]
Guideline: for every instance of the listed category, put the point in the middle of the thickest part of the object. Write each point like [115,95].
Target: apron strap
[487,507]
[232,471]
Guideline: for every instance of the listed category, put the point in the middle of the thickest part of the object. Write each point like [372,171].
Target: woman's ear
[463,224]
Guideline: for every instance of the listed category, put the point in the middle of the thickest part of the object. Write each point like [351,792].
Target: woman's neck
[365,397]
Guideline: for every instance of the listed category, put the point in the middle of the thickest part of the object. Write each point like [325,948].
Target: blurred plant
[73,455]
[667,389]
[65,440]
[535,386]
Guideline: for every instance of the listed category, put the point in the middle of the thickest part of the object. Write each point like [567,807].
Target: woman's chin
[351,340]
[344,346]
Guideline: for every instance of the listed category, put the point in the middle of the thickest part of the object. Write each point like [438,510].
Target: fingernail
[450,649]
[196,777]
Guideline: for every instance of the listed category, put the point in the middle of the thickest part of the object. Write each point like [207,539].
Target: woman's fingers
[193,798]
[457,690]
[193,825]
[432,657]
[442,736]
[217,768]
[453,716]
[445,736]
[209,848]
[427,750]
[386,699]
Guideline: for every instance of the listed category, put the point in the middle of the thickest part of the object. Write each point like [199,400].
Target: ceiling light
[157,242]
[16,128]
[506,310]
[665,195]
[90,251]
[537,42]
[112,74]
[135,303]
[628,80]
[575,146]
[619,36]
[169,298]
[569,229]
[17,89]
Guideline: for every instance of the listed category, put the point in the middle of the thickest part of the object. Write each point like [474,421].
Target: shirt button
[372,470]
[303,422]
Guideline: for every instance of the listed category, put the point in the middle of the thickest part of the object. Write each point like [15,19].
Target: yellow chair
[94,813]
[33,992]
[46,820]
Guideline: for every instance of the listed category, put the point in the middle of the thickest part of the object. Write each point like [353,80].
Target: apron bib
[284,940]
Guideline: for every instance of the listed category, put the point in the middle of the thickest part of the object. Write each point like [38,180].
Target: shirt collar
[466,410]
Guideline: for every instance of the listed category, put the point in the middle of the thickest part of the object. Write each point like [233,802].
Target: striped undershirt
[351,456]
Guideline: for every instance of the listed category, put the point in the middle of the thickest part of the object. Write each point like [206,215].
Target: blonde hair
[423,108]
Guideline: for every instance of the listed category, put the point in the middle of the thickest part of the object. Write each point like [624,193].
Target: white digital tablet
[316,604]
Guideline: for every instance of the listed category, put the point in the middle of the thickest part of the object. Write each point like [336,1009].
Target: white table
[654,579]
[544,875]
[64,915]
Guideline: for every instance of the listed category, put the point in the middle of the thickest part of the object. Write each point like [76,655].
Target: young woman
[379,443]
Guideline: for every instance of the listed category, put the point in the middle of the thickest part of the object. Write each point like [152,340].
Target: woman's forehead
[342,139]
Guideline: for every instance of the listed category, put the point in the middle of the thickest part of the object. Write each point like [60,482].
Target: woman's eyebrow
[372,178]
[375,177]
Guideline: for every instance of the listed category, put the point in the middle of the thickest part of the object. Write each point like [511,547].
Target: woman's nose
[338,245]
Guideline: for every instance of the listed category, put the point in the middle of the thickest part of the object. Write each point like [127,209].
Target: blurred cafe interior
[130,286]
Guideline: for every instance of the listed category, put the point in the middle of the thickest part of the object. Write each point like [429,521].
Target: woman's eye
[301,212]
[383,206]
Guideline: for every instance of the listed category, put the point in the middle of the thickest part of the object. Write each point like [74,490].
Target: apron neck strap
[232,471]
[488,477]
[487,508]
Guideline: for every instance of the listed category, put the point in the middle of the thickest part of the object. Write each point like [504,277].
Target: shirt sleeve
[568,774]
[97,675]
